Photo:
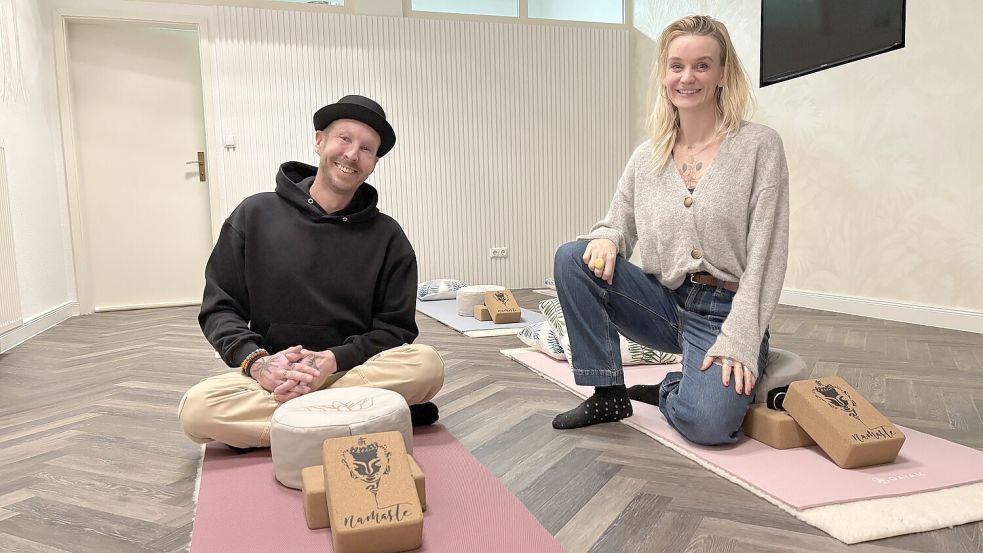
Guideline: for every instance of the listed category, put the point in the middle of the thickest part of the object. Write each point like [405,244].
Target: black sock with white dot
[608,404]
[646,393]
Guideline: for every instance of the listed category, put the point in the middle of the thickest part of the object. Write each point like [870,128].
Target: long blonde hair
[733,100]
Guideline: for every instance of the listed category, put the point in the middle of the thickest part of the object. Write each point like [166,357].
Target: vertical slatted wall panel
[10,312]
[507,134]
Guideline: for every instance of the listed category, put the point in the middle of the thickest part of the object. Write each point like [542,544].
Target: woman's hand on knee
[601,255]
[744,379]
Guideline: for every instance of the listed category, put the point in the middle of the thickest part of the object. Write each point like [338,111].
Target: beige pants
[235,410]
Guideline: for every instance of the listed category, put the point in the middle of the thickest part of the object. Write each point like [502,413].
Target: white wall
[30,133]
[885,184]
[507,134]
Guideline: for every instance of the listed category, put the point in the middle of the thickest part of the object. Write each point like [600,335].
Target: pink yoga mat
[802,477]
[242,508]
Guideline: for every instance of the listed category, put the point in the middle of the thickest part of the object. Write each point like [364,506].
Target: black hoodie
[285,273]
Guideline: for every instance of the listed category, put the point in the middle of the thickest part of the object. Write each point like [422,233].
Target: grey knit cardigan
[736,228]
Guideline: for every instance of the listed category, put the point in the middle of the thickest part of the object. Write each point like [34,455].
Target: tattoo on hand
[262,365]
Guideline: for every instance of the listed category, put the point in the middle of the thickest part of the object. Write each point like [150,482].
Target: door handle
[200,162]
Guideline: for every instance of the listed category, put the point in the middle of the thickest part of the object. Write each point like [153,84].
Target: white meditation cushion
[470,296]
[300,426]
[784,367]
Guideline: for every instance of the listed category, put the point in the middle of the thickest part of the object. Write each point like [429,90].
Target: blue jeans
[686,320]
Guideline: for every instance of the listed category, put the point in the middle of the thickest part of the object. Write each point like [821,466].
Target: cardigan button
[688,202]
[697,253]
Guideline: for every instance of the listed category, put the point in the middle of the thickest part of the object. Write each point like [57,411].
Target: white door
[137,104]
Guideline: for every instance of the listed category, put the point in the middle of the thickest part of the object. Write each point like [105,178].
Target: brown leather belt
[709,280]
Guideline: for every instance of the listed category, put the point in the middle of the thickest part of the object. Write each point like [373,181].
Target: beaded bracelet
[250,359]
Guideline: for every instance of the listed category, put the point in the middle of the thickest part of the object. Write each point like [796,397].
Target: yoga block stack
[775,428]
[470,296]
[844,424]
[374,504]
[316,499]
[502,307]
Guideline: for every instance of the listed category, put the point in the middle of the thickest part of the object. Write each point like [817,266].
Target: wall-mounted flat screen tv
[799,37]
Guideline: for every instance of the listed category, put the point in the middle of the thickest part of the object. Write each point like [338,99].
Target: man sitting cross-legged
[311,287]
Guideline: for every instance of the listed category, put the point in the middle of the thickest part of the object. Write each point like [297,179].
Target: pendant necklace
[691,167]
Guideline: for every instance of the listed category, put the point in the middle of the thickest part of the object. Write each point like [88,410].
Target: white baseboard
[130,307]
[32,327]
[942,317]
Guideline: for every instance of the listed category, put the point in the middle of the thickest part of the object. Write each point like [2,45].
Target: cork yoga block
[502,307]
[372,499]
[419,480]
[481,313]
[775,428]
[844,424]
[315,505]
[316,501]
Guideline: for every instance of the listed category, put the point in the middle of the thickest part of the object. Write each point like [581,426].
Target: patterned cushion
[632,353]
[541,336]
[439,289]
[554,316]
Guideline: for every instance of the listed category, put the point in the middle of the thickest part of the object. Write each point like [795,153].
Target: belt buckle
[692,278]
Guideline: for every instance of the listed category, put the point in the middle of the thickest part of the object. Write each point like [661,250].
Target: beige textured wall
[509,134]
[884,154]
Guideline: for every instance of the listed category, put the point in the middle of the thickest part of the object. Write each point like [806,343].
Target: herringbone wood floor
[91,458]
